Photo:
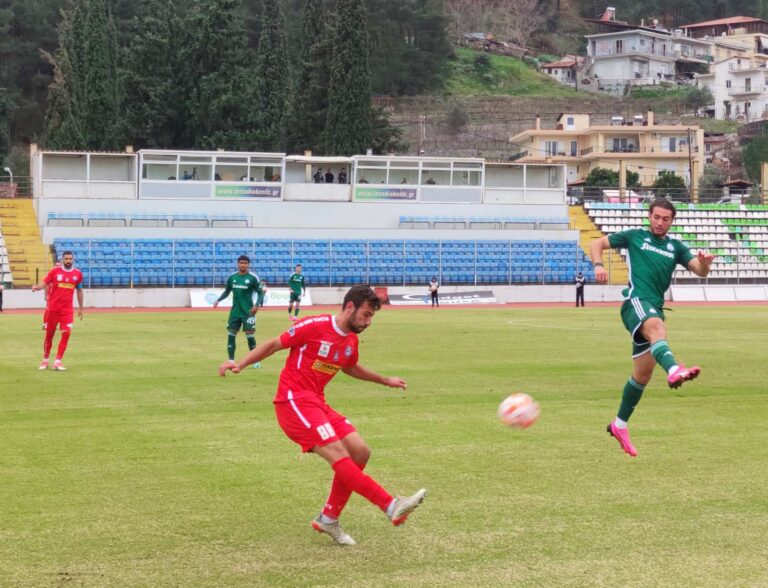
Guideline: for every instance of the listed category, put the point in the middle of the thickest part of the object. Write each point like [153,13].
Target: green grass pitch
[141,467]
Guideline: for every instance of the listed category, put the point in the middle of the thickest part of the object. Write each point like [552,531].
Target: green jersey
[651,262]
[243,287]
[296,282]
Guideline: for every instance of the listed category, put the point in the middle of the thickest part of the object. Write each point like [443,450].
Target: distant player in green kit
[652,257]
[243,285]
[296,282]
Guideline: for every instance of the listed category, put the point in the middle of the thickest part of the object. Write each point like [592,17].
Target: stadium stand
[205,263]
[482,222]
[6,278]
[110,219]
[737,234]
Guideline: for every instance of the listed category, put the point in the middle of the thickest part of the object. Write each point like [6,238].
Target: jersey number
[326,431]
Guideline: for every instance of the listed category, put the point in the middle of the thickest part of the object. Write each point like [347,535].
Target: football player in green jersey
[243,285]
[652,257]
[296,282]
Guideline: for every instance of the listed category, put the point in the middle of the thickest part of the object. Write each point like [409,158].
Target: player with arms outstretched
[321,346]
[652,257]
[62,283]
[243,285]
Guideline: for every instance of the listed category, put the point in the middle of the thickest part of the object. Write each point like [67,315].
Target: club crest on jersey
[348,351]
[325,349]
[670,247]
[292,331]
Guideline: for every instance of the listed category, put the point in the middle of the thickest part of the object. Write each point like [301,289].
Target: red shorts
[63,319]
[310,422]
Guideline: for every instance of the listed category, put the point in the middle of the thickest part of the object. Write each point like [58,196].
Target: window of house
[619,46]
[551,148]
[727,83]
[570,121]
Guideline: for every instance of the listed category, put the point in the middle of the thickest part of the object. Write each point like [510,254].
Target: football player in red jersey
[62,283]
[321,346]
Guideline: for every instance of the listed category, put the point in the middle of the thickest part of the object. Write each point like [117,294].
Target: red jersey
[319,349]
[62,283]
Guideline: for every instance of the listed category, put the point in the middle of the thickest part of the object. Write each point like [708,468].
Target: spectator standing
[318,177]
[580,281]
[329,176]
[433,286]
[342,176]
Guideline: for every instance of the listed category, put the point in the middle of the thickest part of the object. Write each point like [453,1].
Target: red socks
[339,496]
[50,331]
[350,478]
[62,344]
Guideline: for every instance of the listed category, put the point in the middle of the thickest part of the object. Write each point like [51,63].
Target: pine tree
[6,109]
[221,97]
[85,97]
[155,85]
[63,128]
[272,79]
[104,123]
[309,108]
[348,127]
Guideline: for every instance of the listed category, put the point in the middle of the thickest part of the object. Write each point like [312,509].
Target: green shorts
[634,312]
[248,323]
[295,297]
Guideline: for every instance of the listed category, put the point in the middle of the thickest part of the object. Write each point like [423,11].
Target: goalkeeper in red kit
[61,283]
[321,346]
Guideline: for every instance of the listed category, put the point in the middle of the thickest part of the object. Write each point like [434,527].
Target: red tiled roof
[723,21]
[563,63]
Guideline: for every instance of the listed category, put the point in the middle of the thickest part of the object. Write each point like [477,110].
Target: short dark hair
[665,204]
[67,252]
[359,295]
[298,265]
[244,258]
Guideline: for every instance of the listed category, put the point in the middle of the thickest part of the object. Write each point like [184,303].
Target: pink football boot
[622,436]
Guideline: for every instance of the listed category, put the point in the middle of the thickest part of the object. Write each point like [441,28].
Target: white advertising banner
[273,297]
[454,298]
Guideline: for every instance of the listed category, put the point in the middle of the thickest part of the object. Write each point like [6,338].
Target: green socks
[231,346]
[251,341]
[663,355]
[632,393]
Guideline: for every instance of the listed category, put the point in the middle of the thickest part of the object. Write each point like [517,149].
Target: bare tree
[470,16]
[517,20]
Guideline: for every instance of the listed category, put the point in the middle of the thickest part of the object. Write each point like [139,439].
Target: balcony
[744,91]
[634,149]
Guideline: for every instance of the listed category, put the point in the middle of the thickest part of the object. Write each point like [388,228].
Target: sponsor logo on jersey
[59,277]
[325,349]
[325,367]
[66,285]
[649,247]
[336,356]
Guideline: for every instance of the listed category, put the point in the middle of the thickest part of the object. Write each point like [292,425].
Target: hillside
[499,96]
[476,73]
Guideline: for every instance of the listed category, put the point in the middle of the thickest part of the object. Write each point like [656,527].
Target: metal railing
[15,187]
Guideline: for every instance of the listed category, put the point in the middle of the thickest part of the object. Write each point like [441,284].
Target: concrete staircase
[618,273]
[28,257]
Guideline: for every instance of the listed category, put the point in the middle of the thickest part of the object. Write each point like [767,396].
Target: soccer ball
[519,411]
